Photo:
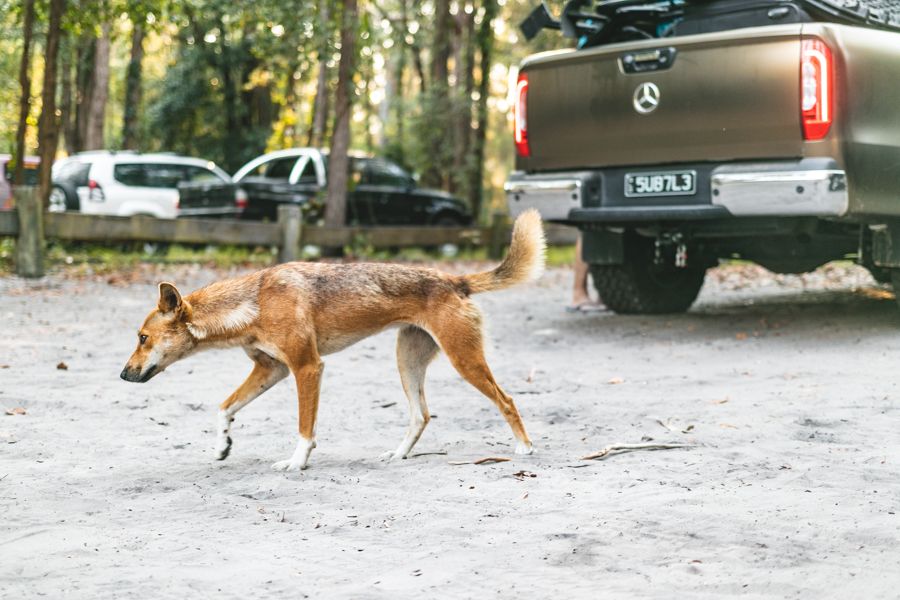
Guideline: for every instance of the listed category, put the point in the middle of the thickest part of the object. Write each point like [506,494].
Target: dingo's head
[163,338]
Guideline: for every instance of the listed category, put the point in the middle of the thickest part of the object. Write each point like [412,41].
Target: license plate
[663,183]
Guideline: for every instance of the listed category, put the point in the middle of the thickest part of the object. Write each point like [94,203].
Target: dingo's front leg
[266,373]
[309,377]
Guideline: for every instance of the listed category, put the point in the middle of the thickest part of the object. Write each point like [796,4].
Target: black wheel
[882,275]
[446,250]
[58,200]
[895,282]
[638,286]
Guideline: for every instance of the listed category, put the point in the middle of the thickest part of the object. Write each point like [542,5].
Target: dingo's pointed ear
[169,298]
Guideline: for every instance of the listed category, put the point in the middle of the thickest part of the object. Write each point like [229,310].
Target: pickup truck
[680,133]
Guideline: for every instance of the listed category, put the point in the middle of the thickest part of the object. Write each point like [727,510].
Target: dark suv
[380,192]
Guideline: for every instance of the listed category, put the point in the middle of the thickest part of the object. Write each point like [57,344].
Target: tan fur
[288,316]
[523,263]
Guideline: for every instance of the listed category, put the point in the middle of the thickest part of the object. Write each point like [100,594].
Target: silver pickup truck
[680,133]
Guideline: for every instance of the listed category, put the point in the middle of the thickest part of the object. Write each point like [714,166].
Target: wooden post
[30,245]
[497,241]
[290,221]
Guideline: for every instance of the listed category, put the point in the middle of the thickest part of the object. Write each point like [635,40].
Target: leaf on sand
[481,461]
[15,411]
[62,366]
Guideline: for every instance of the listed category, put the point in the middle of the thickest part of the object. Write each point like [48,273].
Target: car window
[280,168]
[75,172]
[308,175]
[201,175]
[359,170]
[149,175]
[130,175]
[30,173]
[382,172]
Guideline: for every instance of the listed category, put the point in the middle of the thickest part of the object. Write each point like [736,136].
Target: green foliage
[228,80]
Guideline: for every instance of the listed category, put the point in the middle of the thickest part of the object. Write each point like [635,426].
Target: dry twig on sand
[481,461]
[435,453]
[622,448]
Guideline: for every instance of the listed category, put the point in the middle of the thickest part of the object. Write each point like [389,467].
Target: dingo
[288,316]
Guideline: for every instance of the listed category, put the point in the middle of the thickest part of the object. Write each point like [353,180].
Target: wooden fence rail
[31,226]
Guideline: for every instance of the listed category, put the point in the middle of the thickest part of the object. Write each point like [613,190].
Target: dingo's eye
[142,338]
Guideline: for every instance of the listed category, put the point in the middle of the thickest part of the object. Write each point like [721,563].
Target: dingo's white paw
[299,459]
[223,448]
[289,465]
[390,456]
[523,448]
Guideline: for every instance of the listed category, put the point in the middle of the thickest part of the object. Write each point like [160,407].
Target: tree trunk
[441,48]
[320,104]
[485,46]
[84,91]
[96,112]
[399,70]
[133,86]
[437,103]
[67,101]
[336,200]
[465,70]
[25,87]
[48,124]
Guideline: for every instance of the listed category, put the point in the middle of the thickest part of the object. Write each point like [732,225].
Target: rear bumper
[808,187]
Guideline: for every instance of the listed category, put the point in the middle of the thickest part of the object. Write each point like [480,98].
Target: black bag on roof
[722,15]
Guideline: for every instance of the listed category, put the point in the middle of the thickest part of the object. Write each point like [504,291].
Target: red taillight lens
[95,192]
[240,199]
[520,116]
[816,88]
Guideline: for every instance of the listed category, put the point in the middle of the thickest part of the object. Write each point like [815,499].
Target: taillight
[816,88]
[240,199]
[520,116]
[95,192]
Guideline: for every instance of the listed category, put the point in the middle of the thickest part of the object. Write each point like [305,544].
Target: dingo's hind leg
[415,351]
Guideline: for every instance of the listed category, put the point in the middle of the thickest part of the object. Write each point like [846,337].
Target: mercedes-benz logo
[646,98]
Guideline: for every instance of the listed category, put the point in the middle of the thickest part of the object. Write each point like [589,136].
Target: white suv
[127,183]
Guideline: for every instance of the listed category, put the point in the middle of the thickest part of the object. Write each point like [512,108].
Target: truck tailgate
[721,96]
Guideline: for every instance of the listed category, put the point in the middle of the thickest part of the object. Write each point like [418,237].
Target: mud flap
[603,247]
[886,245]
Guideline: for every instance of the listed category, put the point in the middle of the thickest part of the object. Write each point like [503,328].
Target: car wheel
[57,201]
[895,283]
[640,286]
[446,250]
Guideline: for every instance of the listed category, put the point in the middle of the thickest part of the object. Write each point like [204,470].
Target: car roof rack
[592,23]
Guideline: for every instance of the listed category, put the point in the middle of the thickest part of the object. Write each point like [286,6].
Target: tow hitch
[675,240]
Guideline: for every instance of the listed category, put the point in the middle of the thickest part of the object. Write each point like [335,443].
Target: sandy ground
[787,387]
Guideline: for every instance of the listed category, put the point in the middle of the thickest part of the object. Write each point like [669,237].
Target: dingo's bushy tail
[524,262]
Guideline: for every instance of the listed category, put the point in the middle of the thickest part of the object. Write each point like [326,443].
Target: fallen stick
[436,453]
[622,448]
[481,461]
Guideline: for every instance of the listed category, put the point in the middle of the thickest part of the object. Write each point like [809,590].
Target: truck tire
[640,287]
[895,283]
